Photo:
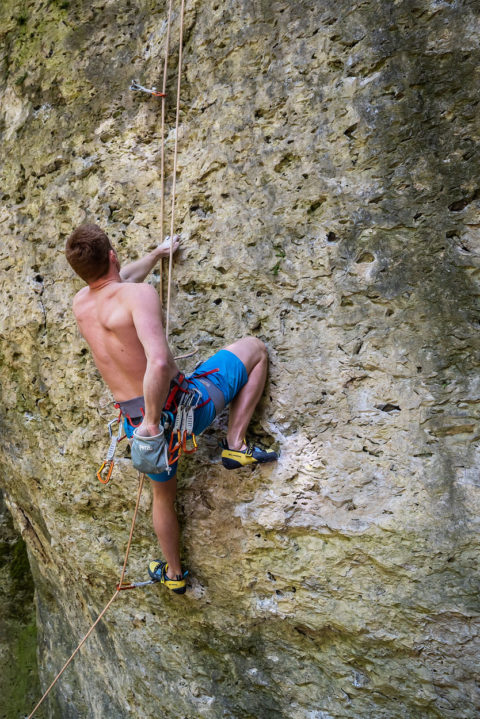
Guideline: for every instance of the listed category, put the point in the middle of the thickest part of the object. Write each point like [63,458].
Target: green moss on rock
[19,683]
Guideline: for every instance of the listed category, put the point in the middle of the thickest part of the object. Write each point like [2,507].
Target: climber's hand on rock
[163,250]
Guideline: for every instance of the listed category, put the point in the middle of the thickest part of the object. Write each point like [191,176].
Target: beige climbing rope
[162,170]
[104,610]
[121,586]
[162,141]
[141,479]
[175,153]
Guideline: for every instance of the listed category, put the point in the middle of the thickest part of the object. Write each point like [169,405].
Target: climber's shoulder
[133,294]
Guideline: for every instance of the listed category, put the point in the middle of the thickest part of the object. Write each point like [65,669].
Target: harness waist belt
[216,394]
[135,407]
[132,407]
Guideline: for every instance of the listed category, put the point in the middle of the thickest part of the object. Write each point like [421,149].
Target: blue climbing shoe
[236,458]
[158,572]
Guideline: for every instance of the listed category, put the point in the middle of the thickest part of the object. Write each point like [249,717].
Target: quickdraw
[182,438]
[152,91]
[134,585]
[108,464]
[182,431]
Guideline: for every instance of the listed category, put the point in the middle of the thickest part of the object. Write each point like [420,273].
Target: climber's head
[88,250]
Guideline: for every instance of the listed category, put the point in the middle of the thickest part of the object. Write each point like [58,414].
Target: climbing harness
[107,465]
[153,91]
[156,454]
[121,585]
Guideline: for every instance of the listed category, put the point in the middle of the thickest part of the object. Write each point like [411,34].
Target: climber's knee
[250,350]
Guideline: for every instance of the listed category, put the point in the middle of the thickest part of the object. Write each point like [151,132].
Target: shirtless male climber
[121,319]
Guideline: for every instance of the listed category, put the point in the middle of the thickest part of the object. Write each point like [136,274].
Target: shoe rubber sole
[231,459]
[233,464]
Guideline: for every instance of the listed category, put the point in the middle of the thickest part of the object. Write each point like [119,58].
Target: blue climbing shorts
[230,378]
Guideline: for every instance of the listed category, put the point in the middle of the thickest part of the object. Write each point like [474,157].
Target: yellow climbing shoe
[158,572]
[236,458]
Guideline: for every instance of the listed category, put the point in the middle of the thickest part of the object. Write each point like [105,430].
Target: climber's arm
[161,367]
[138,270]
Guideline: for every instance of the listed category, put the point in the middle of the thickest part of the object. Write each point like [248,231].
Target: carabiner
[114,440]
[109,472]
[153,91]
[192,442]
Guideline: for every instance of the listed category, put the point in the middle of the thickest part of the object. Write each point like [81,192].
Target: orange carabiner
[105,480]
[193,442]
[171,447]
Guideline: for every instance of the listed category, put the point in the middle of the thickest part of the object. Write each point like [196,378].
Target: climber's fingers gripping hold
[163,250]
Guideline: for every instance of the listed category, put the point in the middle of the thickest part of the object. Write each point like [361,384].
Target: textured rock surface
[18,663]
[328,187]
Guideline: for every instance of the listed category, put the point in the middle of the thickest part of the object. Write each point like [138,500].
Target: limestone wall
[328,191]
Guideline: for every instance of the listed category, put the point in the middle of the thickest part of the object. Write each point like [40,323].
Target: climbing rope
[141,479]
[104,610]
[135,86]
[120,587]
[175,152]
[162,142]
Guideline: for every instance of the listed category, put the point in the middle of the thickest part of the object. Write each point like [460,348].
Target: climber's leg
[236,452]
[165,523]
[239,371]
[253,353]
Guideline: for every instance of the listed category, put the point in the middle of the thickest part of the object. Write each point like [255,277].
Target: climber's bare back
[113,319]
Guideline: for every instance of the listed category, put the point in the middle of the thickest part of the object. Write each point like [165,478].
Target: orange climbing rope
[121,586]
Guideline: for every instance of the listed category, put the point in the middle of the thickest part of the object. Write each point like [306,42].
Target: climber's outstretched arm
[138,270]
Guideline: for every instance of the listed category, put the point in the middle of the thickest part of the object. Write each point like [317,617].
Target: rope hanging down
[162,141]
[121,586]
[175,152]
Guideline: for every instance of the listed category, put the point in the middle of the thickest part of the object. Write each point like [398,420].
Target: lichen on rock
[328,191]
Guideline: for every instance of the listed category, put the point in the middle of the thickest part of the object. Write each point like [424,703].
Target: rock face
[18,665]
[328,191]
